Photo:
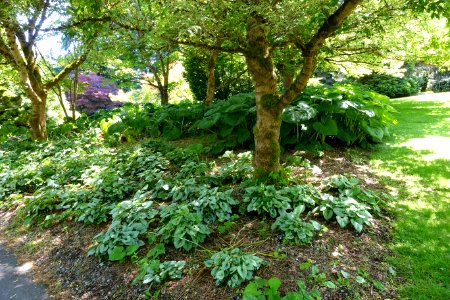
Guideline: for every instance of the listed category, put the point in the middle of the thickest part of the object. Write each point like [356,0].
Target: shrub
[230,122]
[266,199]
[131,219]
[340,113]
[442,85]
[349,204]
[389,85]
[95,95]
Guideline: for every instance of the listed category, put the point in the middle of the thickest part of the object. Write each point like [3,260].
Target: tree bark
[164,94]
[38,118]
[268,110]
[211,86]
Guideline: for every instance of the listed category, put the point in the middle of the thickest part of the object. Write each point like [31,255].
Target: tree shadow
[415,164]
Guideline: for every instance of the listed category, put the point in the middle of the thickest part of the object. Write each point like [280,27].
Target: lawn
[415,165]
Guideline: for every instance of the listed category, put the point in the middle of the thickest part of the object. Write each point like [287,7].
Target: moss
[278,178]
[270,101]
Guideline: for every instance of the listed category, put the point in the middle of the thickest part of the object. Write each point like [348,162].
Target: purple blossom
[95,94]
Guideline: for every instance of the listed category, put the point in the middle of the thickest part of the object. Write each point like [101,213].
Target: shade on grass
[415,164]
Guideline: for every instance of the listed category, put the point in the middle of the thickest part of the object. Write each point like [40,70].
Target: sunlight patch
[438,144]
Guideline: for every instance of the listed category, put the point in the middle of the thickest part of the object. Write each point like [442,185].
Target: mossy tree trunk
[268,109]
[38,122]
[211,85]
[269,103]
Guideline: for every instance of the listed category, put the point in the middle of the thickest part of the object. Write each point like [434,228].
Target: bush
[442,85]
[390,86]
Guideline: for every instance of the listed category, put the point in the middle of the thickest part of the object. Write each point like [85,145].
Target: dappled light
[417,161]
[185,149]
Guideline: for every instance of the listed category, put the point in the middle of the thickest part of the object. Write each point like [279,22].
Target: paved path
[15,284]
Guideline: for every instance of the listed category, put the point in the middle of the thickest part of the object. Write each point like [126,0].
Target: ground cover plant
[164,206]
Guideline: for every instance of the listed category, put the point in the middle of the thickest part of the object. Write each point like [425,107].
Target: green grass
[416,166]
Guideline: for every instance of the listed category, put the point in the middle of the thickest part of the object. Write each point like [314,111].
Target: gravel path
[15,284]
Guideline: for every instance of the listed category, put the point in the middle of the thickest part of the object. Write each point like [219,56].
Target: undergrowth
[341,114]
[156,195]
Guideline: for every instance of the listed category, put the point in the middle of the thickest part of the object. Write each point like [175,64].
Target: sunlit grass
[416,167]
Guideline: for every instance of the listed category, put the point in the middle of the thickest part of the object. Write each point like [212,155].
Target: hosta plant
[182,227]
[233,266]
[296,230]
[131,219]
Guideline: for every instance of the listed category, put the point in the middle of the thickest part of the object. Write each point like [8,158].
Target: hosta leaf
[343,221]
[360,279]
[233,119]
[225,131]
[346,136]
[329,284]
[327,126]
[297,114]
[327,214]
[208,122]
[358,227]
[117,253]
[376,133]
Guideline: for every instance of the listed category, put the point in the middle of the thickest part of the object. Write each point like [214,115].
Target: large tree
[22,25]
[258,29]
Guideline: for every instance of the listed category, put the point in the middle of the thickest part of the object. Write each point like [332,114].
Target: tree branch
[311,49]
[72,66]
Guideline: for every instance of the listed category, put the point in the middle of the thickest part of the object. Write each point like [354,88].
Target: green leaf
[208,122]
[379,285]
[171,132]
[329,284]
[274,283]
[326,127]
[328,214]
[251,292]
[376,133]
[225,131]
[131,249]
[117,253]
[360,280]
[343,221]
[305,265]
[345,274]
[358,227]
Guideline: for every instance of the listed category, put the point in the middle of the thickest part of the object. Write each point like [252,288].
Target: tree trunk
[38,118]
[268,109]
[211,87]
[164,93]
